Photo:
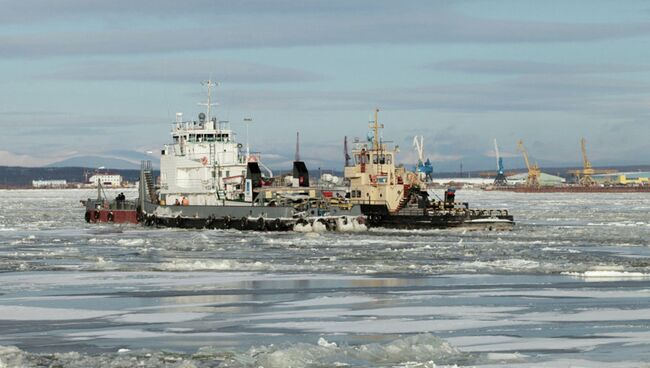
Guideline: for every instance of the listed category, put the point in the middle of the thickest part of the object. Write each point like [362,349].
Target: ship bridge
[204,163]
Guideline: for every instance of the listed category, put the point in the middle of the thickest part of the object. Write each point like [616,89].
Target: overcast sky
[85,77]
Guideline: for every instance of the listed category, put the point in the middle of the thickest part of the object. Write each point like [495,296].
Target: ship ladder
[148,177]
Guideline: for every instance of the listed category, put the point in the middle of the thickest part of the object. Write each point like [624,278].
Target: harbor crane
[584,176]
[500,179]
[533,170]
[423,168]
[587,170]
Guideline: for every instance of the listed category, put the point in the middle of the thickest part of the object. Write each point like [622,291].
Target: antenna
[247,121]
[297,158]
[209,84]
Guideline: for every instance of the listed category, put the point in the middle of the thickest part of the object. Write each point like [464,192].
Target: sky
[105,78]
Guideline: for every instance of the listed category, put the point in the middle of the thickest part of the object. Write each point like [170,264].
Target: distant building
[106,179]
[463,181]
[49,183]
[544,179]
[623,178]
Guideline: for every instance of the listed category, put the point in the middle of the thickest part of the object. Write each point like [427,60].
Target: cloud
[182,70]
[254,24]
[12,159]
[588,94]
[518,67]
[25,11]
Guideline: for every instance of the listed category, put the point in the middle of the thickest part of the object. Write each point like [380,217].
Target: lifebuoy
[204,160]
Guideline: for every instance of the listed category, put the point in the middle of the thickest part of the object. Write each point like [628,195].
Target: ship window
[175,139]
[209,137]
[192,138]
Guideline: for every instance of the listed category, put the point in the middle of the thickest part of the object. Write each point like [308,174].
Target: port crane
[533,170]
[424,168]
[584,176]
[500,179]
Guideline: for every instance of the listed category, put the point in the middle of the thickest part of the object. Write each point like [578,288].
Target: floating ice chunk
[131,242]
[506,356]
[300,228]
[608,275]
[319,227]
[326,344]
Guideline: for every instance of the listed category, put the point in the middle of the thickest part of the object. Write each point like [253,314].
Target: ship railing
[366,201]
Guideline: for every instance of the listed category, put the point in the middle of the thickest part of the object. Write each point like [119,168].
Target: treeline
[16,177]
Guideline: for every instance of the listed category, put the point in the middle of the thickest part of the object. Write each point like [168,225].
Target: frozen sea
[568,287]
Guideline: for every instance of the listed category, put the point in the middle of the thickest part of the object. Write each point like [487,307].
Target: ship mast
[375,127]
[209,84]
[247,121]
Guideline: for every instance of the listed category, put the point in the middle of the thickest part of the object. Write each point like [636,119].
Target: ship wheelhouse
[374,178]
[203,164]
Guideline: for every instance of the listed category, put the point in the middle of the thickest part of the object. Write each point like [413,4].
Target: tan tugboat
[391,197]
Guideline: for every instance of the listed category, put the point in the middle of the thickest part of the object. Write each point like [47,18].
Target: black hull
[221,223]
[379,217]
[424,222]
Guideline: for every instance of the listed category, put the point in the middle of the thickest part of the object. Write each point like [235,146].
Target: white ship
[208,180]
[204,164]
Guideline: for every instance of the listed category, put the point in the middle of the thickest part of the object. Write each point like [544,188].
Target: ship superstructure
[204,164]
[374,178]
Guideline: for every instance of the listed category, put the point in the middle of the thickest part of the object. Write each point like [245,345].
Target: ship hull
[421,219]
[104,211]
[256,218]
[111,216]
